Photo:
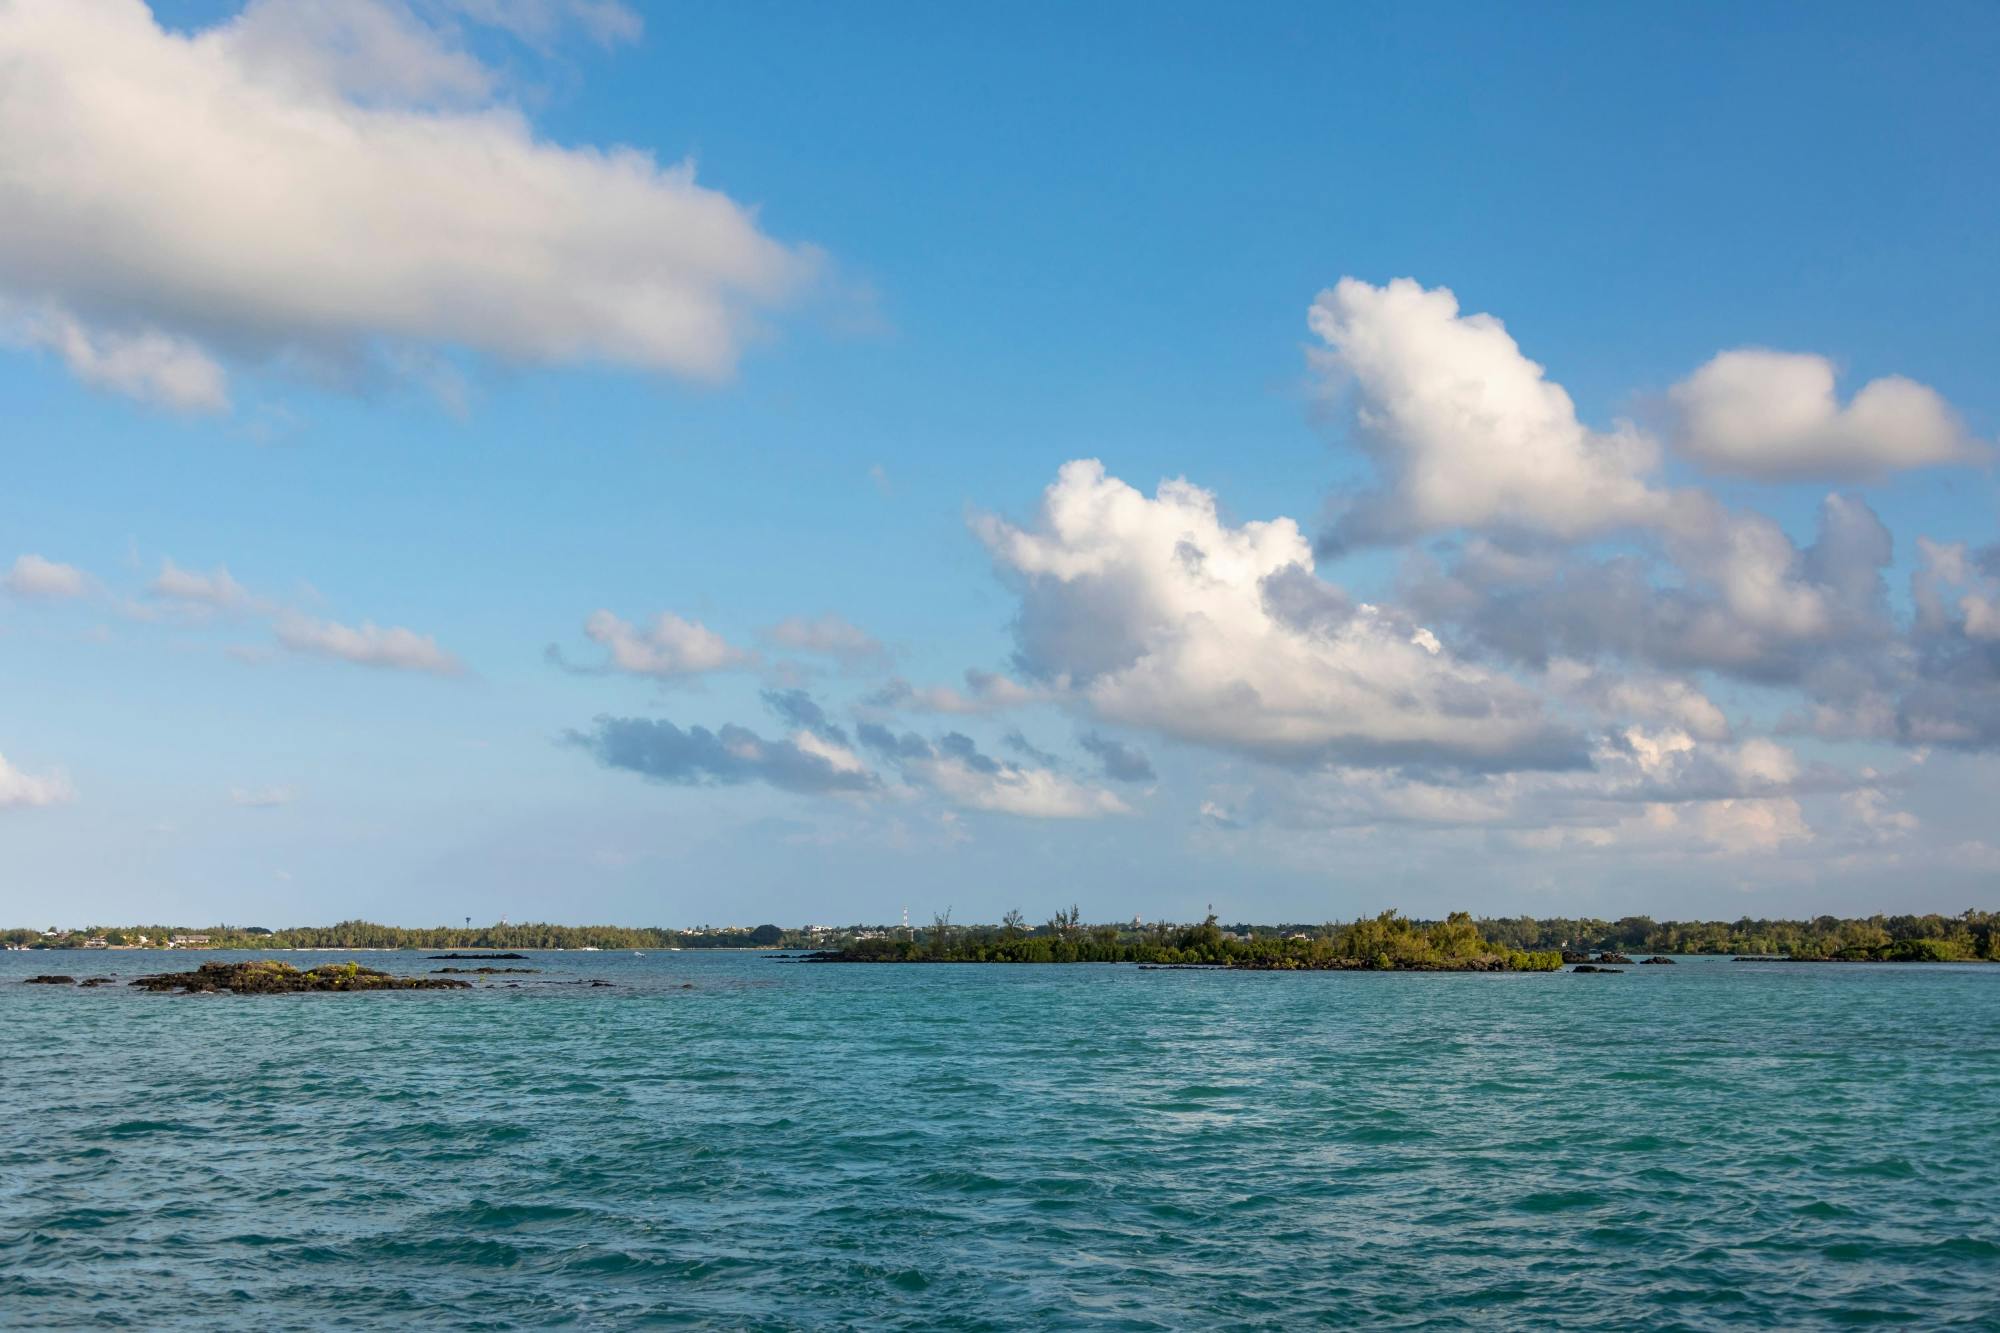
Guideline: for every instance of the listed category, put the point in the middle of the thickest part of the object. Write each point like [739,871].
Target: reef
[270,977]
[478,958]
[49,981]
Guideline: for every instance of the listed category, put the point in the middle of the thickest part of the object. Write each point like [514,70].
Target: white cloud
[393,649]
[954,768]
[21,790]
[1867,808]
[1216,815]
[826,636]
[1640,695]
[1946,566]
[671,647]
[1732,827]
[1156,613]
[984,692]
[215,591]
[1034,793]
[1467,431]
[1738,825]
[146,364]
[319,182]
[1738,595]
[537,22]
[1659,793]
[1776,416]
[33,576]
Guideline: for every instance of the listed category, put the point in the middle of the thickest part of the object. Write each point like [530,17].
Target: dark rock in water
[479,958]
[1655,961]
[1586,967]
[269,977]
[481,971]
[50,981]
[1612,957]
[600,983]
[97,981]
[1572,956]
[687,985]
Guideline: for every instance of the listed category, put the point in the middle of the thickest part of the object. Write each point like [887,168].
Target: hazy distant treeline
[369,935]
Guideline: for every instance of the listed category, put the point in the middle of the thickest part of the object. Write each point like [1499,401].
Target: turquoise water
[788,1145]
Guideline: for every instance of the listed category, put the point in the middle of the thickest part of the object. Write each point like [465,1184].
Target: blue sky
[401,343]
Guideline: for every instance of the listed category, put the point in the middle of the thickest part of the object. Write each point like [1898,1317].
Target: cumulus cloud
[1008,789]
[670,648]
[370,645]
[1028,750]
[1652,792]
[1957,589]
[803,712]
[1736,595]
[40,579]
[21,790]
[321,182]
[730,756]
[1465,429]
[1776,416]
[1119,761]
[1943,687]
[954,767]
[1155,613]
[1618,694]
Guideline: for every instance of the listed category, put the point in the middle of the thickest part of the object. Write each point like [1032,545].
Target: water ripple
[1007,1148]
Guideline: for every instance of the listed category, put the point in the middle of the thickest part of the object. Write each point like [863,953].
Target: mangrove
[1390,942]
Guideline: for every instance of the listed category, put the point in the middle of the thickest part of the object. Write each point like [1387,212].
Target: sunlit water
[727,1140]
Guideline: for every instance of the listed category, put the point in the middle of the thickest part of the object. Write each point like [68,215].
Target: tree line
[1064,937]
[370,935]
[1969,936]
[1387,942]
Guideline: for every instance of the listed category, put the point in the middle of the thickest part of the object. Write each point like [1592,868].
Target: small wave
[136,1129]
[1558,1201]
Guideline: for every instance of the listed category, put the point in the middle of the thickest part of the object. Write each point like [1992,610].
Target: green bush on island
[1389,942]
[270,977]
[1971,936]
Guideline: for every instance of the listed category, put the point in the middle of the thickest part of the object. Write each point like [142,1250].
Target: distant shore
[1457,942]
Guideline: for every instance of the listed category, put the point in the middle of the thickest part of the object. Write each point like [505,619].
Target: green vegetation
[270,977]
[1389,942]
[368,935]
[1969,936]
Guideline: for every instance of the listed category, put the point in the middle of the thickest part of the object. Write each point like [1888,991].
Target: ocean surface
[726,1140]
